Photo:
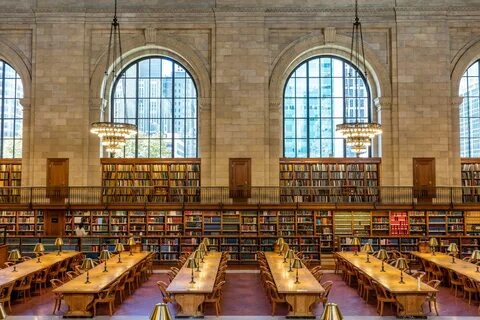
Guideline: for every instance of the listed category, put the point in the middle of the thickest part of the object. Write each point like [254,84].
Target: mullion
[3,108]
[173,109]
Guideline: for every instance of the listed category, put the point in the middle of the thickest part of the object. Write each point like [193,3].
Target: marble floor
[244,299]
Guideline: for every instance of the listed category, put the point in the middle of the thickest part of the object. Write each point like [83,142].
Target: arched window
[11,117]
[159,96]
[319,94]
[470,112]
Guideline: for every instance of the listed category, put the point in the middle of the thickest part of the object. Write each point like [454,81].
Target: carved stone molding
[150,35]
[383,103]
[330,34]
[456,101]
[26,103]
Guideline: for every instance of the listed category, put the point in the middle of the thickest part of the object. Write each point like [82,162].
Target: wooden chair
[323,298]
[138,274]
[40,279]
[428,268]
[274,296]
[338,263]
[367,287]
[437,273]
[71,275]
[121,286]
[63,268]
[432,296]
[58,296]
[469,287]
[6,295]
[26,258]
[455,281]
[55,271]
[8,264]
[215,297]
[23,286]
[418,275]
[349,274]
[78,269]
[382,297]
[130,282]
[106,296]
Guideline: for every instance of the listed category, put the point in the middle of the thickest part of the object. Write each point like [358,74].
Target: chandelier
[358,134]
[113,135]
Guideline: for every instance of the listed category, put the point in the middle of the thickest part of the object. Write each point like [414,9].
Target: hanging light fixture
[357,134]
[113,135]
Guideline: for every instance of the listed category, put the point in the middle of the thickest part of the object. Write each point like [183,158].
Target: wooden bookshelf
[23,223]
[10,176]
[161,175]
[330,172]
[470,172]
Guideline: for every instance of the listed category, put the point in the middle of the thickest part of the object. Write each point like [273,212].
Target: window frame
[468,139]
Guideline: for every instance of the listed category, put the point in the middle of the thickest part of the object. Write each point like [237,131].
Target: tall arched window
[11,117]
[470,112]
[319,94]
[159,96]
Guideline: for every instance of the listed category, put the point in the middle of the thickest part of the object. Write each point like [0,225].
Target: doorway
[240,180]
[424,179]
[57,179]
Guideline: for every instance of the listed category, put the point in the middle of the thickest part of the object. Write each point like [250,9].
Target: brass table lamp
[297,264]
[59,244]
[382,255]
[280,243]
[192,264]
[453,249]
[402,264]
[39,250]
[131,243]
[289,255]
[206,241]
[14,256]
[104,256]
[476,257]
[367,247]
[433,243]
[357,244]
[161,312]
[203,248]
[331,312]
[88,264]
[197,255]
[119,248]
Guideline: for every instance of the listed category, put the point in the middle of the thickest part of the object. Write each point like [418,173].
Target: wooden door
[57,179]
[240,179]
[54,223]
[424,179]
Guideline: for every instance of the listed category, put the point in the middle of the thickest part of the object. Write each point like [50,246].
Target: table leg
[411,305]
[300,305]
[189,304]
[78,305]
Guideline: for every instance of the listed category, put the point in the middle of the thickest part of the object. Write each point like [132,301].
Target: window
[159,96]
[11,91]
[319,94]
[470,112]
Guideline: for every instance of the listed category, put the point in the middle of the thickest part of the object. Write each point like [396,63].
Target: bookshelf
[330,172]
[161,175]
[470,172]
[10,176]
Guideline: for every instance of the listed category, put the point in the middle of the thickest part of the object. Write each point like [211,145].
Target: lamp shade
[131,241]
[401,263]
[356,242]
[58,242]
[290,254]
[284,247]
[14,255]
[280,241]
[433,242]
[88,264]
[119,247]
[382,254]
[206,241]
[297,264]
[475,255]
[161,312]
[202,247]
[453,248]
[367,247]
[331,312]
[192,263]
[105,255]
[197,255]
[39,248]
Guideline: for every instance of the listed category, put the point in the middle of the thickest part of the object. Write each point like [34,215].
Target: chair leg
[55,307]
[110,308]
[436,307]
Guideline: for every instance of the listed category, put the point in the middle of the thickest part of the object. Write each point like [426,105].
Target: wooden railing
[221,195]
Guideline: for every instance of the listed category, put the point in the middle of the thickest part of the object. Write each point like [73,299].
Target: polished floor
[244,300]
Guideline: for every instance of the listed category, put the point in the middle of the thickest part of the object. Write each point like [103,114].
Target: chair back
[327,285]
[272,290]
[163,288]
[434,283]
[56,283]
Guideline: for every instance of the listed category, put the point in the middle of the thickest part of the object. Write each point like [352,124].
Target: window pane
[289,127]
[314,129]
[290,148]
[301,108]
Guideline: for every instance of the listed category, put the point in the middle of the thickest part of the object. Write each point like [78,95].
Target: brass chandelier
[357,134]
[113,135]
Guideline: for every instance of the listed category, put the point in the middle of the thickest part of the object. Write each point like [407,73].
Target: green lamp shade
[105,255]
[192,263]
[367,247]
[382,254]
[280,241]
[87,264]
[356,242]
[131,241]
[433,242]
[58,242]
[39,248]
[119,247]
[453,248]
[14,255]
[206,241]
[297,264]
[475,255]
[401,263]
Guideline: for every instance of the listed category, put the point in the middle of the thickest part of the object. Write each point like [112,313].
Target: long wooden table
[443,260]
[32,266]
[408,296]
[190,296]
[79,295]
[299,296]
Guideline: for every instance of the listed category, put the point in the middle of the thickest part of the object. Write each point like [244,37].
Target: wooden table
[79,295]
[299,296]
[32,266]
[190,296]
[443,260]
[407,295]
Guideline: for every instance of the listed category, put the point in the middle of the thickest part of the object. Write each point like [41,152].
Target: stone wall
[240,53]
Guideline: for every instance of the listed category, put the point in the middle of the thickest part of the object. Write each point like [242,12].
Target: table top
[285,281]
[32,266]
[100,280]
[445,261]
[390,279]
[204,280]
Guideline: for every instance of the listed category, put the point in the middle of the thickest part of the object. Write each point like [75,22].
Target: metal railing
[254,195]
